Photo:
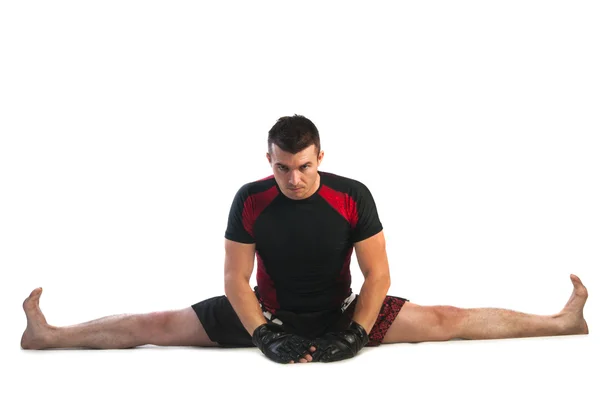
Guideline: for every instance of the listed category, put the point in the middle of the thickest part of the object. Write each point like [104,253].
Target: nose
[294,178]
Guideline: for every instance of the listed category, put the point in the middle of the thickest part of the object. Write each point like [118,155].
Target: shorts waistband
[345,304]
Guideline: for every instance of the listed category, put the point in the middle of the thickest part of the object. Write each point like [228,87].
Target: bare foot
[572,313]
[37,333]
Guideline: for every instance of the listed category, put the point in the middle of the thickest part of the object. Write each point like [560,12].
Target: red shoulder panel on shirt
[254,205]
[342,203]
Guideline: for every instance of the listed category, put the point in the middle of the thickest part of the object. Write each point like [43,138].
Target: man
[302,225]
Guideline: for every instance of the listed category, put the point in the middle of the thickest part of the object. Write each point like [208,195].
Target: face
[296,175]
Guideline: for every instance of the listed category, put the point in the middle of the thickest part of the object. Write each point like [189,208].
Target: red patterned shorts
[387,314]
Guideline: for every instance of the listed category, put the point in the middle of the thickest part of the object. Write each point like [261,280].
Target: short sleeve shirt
[303,247]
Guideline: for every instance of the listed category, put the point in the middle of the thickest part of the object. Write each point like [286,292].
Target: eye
[305,166]
[282,168]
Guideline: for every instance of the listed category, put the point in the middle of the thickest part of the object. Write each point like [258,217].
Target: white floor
[533,367]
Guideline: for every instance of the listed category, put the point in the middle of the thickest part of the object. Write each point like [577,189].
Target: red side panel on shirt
[345,276]
[266,287]
[346,206]
[253,207]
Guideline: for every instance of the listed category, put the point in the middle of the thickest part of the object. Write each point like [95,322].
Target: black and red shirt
[303,247]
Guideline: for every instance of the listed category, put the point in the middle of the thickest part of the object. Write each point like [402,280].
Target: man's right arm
[239,264]
[271,339]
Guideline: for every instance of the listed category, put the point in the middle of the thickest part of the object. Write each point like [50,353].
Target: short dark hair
[294,134]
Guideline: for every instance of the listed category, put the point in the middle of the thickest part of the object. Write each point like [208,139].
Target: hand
[280,346]
[336,346]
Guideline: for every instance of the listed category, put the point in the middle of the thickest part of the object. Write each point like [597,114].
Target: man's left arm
[373,262]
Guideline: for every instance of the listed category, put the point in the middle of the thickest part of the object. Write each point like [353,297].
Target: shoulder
[257,187]
[343,184]
[256,195]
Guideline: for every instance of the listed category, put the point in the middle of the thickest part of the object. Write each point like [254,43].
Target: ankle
[561,322]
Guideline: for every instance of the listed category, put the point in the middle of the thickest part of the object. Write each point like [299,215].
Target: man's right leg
[166,328]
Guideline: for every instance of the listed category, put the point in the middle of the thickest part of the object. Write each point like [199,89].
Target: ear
[320,158]
[269,157]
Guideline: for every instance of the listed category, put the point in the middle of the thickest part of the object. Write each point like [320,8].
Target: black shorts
[223,326]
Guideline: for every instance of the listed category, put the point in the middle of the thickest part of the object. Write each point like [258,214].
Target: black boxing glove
[336,346]
[278,345]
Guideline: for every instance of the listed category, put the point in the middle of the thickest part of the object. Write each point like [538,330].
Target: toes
[35,293]
[578,287]
[576,280]
[33,297]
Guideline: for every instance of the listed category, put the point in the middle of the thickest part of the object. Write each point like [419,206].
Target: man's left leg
[417,323]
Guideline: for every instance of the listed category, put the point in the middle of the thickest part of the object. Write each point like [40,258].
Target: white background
[127,127]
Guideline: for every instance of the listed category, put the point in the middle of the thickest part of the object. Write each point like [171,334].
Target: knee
[156,325]
[447,321]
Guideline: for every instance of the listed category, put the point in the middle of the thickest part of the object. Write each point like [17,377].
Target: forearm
[245,303]
[370,299]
